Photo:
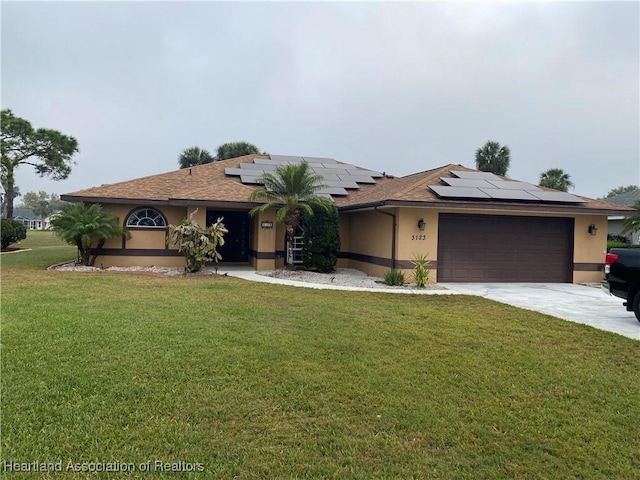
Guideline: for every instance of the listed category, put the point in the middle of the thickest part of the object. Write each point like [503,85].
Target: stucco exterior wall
[368,240]
[131,249]
[589,249]
[263,241]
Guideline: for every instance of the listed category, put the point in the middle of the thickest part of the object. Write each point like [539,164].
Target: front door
[236,241]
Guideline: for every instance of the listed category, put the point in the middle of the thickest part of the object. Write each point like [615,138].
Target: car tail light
[608,260]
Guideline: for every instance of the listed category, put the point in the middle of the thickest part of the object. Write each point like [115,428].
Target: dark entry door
[236,242]
[496,248]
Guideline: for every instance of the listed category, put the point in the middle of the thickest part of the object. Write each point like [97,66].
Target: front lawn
[248,380]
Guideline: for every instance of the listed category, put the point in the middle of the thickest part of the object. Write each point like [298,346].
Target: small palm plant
[84,226]
[292,191]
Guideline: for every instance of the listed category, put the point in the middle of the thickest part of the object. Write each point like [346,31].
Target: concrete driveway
[576,303]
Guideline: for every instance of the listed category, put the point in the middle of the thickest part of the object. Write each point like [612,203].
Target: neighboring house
[30,220]
[27,218]
[473,226]
[615,226]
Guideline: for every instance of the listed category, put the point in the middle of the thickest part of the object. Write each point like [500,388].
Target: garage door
[495,248]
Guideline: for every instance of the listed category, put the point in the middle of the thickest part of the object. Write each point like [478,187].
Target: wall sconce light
[592,229]
[421,224]
[266,224]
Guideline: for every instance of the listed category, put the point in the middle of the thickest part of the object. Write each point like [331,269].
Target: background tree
[557,179]
[493,158]
[193,156]
[620,190]
[321,239]
[85,225]
[235,149]
[632,222]
[48,151]
[42,203]
[3,200]
[292,191]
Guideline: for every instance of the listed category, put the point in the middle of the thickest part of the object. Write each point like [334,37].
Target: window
[146,217]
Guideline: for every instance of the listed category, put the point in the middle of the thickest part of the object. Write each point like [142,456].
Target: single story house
[473,226]
[615,225]
[28,218]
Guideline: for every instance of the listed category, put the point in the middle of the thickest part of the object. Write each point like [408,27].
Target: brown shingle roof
[208,184]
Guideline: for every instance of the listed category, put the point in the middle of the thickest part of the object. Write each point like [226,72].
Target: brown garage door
[495,248]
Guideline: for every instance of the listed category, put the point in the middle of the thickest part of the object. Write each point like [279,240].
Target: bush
[618,239]
[394,277]
[321,240]
[198,244]
[420,270]
[12,231]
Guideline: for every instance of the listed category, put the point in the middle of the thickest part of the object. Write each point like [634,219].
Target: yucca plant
[420,269]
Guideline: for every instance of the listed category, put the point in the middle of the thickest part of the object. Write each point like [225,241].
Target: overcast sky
[395,87]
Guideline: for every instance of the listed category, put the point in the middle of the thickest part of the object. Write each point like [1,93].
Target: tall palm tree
[557,179]
[292,190]
[194,156]
[82,225]
[494,158]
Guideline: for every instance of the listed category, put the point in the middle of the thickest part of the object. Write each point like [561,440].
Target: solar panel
[254,166]
[319,160]
[562,197]
[333,191]
[482,185]
[355,178]
[336,177]
[458,192]
[504,185]
[467,182]
[249,178]
[475,175]
[498,193]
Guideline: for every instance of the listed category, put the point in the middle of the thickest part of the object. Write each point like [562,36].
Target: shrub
[198,244]
[394,277]
[12,231]
[321,240]
[420,270]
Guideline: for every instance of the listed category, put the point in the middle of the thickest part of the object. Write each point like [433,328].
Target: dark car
[622,277]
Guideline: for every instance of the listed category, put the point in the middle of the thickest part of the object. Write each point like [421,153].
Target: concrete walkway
[575,303]
[248,273]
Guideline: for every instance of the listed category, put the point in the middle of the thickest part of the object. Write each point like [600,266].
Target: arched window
[147,218]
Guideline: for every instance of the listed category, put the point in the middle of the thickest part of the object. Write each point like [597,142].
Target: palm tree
[632,222]
[194,156]
[493,158]
[292,190]
[557,179]
[82,225]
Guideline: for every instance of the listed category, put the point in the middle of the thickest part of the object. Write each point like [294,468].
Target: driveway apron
[576,303]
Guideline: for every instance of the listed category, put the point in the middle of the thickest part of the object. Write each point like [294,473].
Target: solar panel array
[337,177]
[486,185]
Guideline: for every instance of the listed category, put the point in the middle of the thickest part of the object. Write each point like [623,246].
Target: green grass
[263,381]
